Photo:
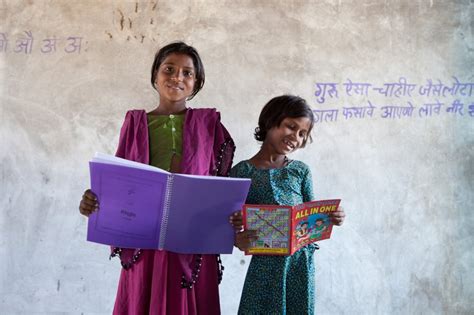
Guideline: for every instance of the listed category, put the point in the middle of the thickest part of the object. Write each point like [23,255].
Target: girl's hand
[243,239]
[337,217]
[237,221]
[89,203]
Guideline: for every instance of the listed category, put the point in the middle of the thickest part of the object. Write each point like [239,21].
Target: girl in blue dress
[279,284]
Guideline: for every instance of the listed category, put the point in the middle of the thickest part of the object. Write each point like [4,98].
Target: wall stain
[58,286]
[130,21]
[122,20]
[45,177]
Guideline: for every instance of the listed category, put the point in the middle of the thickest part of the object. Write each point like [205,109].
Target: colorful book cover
[282,230]
[142,206]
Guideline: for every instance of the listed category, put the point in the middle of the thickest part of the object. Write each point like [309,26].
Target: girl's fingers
[338,214]
[84,211]
[251,234]
[338,218]
[236,220]
[89,195]
[236,216]
[90,203]
[243,239]
[88,206]
[238,228]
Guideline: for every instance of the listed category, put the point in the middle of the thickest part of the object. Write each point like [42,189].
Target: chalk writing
[357,88]
[455,108]
[392,111]
[358,112]
[428,109]
[325,115]
[431,89]
[74,45]
[3,42]
[471,110]
[321,91]
[397,111]
[440,89]
[26,44]
[462,88]
[403,99]
[397,89]
[49,45]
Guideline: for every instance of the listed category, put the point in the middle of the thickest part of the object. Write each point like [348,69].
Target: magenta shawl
[150,282]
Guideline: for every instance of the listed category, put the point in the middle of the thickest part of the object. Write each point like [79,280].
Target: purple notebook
[145,207]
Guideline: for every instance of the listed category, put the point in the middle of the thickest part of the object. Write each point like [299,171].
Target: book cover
[142,206]
[282,230]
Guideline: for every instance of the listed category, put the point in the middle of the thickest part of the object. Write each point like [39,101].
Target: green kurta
[279,284]
[166,137]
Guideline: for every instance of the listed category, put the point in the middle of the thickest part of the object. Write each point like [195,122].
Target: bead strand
[194,275]
[220,269]
[220,157]
[117,251]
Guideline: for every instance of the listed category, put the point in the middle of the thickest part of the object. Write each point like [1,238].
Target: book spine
[292,231]
[166,208]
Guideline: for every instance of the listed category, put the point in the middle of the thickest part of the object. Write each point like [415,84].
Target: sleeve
[133,141]
[124,134]
[224,149]
[234,171]
[307,185]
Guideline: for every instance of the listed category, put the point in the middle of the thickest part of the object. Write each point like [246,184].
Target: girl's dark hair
[180,48]
[279,108]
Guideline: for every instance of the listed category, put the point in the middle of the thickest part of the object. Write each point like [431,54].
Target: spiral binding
[166,208]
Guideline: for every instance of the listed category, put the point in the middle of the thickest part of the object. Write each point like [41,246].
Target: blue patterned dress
[279,284]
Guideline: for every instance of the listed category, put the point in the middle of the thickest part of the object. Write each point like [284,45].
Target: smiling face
[279,108]
[289,136]
[175,78]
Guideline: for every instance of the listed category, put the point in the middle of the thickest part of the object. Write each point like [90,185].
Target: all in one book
[282,230]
